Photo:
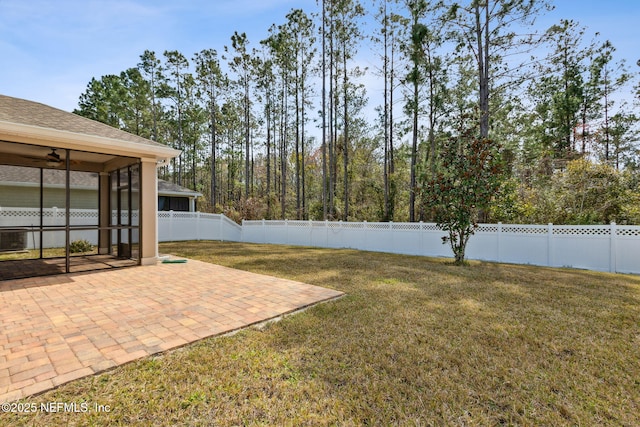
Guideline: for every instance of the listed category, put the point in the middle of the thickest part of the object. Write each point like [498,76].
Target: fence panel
[603,248]
[319,234]
[582,247]
[523,244]
[626,249]
[408,239]
[483,245]
[29,218]
[180,226]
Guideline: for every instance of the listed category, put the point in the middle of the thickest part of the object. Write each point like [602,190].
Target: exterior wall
[148,212]
[29,197]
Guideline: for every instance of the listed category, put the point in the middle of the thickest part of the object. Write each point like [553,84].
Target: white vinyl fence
[28,220]
[614,248]
[172,226]
[175,226]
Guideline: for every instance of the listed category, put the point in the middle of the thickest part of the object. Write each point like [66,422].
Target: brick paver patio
[60,328]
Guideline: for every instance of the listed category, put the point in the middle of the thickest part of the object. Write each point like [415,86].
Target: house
[172,197]
[64,148]
[20,187]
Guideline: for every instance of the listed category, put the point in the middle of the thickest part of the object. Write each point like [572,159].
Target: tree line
[279,128]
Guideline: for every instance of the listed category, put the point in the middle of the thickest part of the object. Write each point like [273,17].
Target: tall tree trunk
[297,106]
[345,82]
[268,157]
[324,116]
[391,153]
[414,150]
[332,151]
[213,128]
[483,67]
[385,117]
[606,115]
[283,150]
[302,160]
[247,137]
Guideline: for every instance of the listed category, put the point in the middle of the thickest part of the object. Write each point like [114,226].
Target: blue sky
[50,49]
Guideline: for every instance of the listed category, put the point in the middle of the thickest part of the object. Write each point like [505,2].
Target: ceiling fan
[53,159]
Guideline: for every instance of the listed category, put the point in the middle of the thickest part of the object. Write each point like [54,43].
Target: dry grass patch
[416,341]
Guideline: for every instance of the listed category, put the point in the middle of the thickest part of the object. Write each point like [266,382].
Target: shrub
[80,246]
[471,173]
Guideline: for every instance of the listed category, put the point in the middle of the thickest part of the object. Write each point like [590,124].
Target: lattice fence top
[185,215]
[299,224]
[23,213]
[84,214]
[486,228]
[581,231]
[628,231]
[408,226]
[623,231]
[525,229]
[379,226]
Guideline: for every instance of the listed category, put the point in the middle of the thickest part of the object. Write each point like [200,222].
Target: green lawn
[416,341]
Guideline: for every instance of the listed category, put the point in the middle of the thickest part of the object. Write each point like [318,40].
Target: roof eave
[179,194]
[16,132]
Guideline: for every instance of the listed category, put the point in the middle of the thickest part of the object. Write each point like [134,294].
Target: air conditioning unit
[13,240]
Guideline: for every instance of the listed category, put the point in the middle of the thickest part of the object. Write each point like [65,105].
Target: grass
[416,341]
[46,253]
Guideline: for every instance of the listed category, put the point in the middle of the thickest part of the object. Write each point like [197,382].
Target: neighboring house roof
[21,176]
[16,175]
[171,189]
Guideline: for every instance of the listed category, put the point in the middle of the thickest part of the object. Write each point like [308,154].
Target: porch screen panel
[134,219]
[54,207]
[19,209]
[125,193]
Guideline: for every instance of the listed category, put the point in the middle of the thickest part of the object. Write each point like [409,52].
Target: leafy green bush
[80,246]
[470,176]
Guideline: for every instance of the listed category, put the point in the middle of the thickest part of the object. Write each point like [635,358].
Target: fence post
[286,232]
[197,226]
[498,237]
[326,233]
[171,226]
[612,248]
[366,237]
[549,244]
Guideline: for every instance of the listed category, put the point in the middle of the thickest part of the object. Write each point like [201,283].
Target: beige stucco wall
[148,212]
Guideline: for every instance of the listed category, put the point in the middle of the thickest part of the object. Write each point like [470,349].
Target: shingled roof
[30,113]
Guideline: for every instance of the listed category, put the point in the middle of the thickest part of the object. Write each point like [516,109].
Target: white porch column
[148,212]
[104,214]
